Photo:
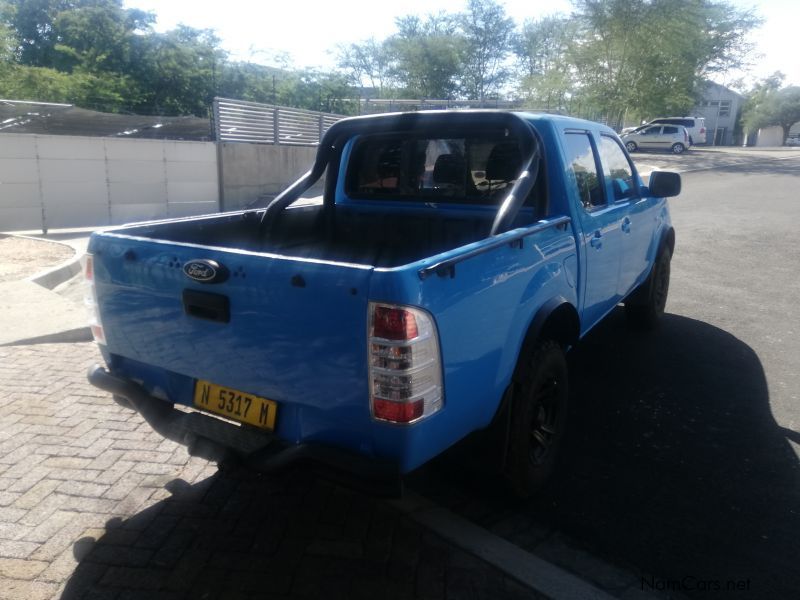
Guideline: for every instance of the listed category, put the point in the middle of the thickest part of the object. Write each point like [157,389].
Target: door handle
[626,225]
[597,240]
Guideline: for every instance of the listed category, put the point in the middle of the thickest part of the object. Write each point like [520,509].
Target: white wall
[770,136]
[69,181]
[253,170]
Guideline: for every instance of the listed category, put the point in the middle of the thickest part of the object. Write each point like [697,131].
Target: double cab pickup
[432,291]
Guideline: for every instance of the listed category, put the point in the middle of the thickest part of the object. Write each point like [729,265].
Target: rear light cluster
[90,299]
[405,372]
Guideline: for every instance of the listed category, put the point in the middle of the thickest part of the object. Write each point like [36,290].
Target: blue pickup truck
[433,291]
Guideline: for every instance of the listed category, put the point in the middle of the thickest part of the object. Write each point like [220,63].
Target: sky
[309,31]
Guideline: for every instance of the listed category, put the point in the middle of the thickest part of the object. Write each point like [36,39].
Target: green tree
[487,32]
[100,37]
[32,22]
[544,71]
[369,64]
[647,57]
[769,104]
[427,56]
[178,72]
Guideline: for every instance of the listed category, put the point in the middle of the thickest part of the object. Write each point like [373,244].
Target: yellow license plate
[236,405]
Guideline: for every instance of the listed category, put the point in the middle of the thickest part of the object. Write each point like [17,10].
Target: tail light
[702,130]
[405,371]
[90,299]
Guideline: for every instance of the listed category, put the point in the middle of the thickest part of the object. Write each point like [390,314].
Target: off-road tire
[538,418]
[645,306]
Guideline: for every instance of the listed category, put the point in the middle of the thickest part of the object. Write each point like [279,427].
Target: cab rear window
[476,169]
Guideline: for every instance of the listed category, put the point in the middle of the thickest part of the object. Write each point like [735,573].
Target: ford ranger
[433,291]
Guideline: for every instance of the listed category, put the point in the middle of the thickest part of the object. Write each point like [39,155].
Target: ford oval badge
[205,271]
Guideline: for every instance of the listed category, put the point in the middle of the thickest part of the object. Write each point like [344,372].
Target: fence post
[275,126]
[220,157]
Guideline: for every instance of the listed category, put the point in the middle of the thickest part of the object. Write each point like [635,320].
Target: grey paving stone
[99,506]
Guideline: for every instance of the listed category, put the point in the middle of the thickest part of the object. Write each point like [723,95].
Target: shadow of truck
[673,467]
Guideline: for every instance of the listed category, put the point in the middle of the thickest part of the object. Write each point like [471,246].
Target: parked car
[696,126]
[454,259]
[672,138]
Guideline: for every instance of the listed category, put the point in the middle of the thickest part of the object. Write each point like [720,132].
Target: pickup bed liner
[365,237]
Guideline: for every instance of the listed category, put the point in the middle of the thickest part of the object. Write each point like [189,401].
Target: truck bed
[363,236]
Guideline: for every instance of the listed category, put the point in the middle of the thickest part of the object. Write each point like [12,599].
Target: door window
[670,130]
[617,169]
[652,131]
[582,160]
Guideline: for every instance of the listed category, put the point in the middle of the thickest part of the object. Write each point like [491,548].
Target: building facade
[721,107]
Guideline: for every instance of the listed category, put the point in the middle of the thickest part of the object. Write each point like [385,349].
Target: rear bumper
[214,439]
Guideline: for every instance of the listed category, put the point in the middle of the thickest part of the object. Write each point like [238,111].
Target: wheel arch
[667,240]
[556,320]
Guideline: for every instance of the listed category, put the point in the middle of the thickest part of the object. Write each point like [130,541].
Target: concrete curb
[54,276]
[528,569]
[49,279]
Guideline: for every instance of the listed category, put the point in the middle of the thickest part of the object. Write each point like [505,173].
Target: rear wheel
[678,148]
[631,146]
[538,418]
[645,307]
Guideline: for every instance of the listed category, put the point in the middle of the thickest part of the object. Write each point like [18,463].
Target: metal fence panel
[242,121]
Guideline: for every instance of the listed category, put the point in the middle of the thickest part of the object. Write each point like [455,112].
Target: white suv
[657,137]
[696,126]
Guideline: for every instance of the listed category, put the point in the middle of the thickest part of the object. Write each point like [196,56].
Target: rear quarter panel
[482,314]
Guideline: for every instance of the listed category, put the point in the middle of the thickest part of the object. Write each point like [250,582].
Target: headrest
[504,163]
[449,168]
[389,163]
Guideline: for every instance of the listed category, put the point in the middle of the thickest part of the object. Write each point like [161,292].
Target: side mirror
[664,184]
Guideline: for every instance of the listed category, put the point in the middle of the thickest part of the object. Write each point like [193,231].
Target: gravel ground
[23,257]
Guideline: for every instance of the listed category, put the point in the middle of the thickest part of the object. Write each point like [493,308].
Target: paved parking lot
[93,504]
[700,158]
[681,467]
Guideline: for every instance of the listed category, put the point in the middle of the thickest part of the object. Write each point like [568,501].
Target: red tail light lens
[90,299]
[394,324]
[702,130]
[397,412]
[88,267]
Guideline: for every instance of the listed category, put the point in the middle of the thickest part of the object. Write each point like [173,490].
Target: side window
[670,130]
[581,159]
[652,131]
[617,169]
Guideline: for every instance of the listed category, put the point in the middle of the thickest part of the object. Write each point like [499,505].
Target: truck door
[601,236]
[638,222]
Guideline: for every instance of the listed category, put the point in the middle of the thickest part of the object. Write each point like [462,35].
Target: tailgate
[294,330]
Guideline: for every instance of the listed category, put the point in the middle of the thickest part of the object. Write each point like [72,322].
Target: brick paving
[94,504]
